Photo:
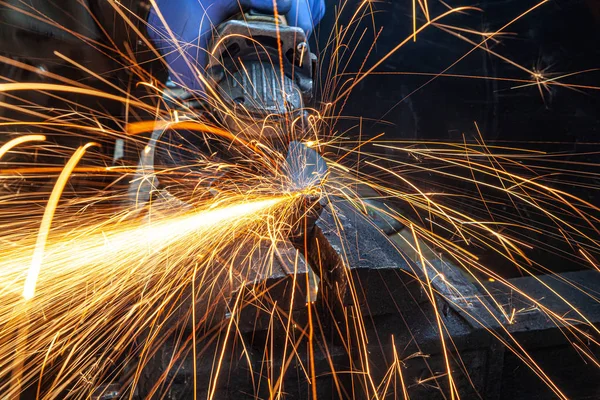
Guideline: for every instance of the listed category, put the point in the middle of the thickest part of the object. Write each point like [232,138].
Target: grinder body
[262,70]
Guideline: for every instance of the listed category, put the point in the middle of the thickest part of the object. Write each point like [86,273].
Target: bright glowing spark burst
[93,293]
[155,237]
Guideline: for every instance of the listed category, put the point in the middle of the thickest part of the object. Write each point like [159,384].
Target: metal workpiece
[553,346]
[363,284]
[389,295]
[282,282]
[343,273]
[376,294]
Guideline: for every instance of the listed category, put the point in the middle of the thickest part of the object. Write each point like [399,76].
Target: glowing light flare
[38,254]
[69,255]
[20,140]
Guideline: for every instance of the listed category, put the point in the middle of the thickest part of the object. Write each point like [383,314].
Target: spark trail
[84,271]
[119,285]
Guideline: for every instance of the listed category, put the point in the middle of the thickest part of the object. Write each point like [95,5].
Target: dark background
[559,37]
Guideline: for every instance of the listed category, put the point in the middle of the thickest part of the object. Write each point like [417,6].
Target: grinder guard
[248,57]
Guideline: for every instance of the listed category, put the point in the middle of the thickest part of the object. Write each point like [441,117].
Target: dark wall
[560,37]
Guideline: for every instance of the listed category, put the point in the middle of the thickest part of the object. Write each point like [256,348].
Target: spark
[38,254]
[20,140]
[108,285]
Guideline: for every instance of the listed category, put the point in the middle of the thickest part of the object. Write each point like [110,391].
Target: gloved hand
[192,22]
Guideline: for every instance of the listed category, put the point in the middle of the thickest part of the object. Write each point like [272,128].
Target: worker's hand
[192,22]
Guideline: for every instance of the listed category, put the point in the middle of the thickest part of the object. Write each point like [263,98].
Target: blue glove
[192,22]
